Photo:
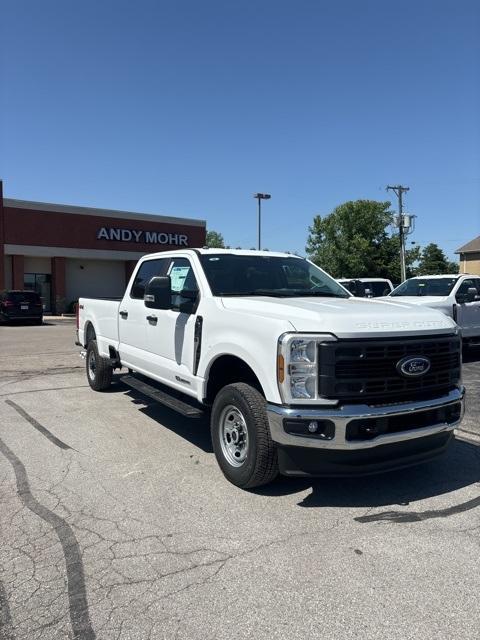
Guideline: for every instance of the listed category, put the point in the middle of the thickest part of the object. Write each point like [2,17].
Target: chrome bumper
[343,415]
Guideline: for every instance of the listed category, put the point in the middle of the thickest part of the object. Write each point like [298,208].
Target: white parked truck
[457,296]
[298,376]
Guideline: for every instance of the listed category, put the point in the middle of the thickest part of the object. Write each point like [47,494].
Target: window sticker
[178,275]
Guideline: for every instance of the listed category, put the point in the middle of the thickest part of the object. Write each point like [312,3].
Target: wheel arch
[89,333]
[226,369]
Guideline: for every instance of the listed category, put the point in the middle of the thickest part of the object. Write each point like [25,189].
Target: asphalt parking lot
[117,523]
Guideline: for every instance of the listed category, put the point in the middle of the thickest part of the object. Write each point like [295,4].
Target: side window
[147,271]
[471,283]
[184,283]
[465,286]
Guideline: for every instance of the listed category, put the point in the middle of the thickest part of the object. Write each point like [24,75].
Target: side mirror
[158,293]
[471,294]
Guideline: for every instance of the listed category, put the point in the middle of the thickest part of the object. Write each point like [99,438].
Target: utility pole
[399,190]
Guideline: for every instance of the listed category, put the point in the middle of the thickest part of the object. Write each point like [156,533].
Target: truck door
[132,319]
[171,333]
[468,312]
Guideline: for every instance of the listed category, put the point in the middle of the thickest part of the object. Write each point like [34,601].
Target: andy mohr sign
[144,237]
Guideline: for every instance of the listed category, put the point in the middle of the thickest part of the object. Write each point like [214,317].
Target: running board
[164,398]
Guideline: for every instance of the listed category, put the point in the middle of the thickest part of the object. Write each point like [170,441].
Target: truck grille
[367,370]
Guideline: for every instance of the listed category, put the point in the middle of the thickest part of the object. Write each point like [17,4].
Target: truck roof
[364,279]
[441,275]
[239,252]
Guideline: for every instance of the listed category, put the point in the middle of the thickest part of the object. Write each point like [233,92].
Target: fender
[263,368]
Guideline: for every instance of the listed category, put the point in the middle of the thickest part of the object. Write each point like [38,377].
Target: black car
[21,305]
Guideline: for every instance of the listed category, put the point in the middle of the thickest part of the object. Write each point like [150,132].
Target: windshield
[249,275]
[425,287]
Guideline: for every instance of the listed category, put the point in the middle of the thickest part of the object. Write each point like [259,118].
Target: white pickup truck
[298,375]
[457,296]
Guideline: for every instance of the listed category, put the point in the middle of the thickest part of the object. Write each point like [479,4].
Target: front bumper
[341,455]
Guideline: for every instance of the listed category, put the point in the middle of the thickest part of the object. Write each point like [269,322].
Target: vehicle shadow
[458,468]
[25,323]
[195,430]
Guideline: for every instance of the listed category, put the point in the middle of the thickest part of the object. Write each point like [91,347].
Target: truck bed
[101,313]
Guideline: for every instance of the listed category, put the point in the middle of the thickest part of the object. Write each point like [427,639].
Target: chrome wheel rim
[92,365]
[233,435]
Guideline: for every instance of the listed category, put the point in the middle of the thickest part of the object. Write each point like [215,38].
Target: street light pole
[259,223]
[260,197]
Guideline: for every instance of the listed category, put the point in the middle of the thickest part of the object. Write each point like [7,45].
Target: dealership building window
[64,252]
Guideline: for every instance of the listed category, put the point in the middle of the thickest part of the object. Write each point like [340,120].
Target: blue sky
[187,108]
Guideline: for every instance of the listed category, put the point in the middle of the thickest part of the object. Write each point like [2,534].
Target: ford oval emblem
[413,366]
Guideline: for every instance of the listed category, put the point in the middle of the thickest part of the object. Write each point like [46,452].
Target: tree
[353,241]
[433,261]
[215,240]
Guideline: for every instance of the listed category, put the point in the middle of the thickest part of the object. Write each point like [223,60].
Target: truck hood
[421,300]
[347,317]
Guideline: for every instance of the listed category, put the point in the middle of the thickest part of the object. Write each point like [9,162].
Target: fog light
[321,429]
[368,430]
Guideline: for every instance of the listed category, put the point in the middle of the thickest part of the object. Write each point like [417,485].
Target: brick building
[65,251]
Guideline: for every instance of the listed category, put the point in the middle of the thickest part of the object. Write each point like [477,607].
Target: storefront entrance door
[42,284]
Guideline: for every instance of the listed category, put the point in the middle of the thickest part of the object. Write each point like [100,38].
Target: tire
[241,438]
[38,321]
[99,370]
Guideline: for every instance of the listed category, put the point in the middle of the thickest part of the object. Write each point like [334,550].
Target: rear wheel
[99,369]
[241,436]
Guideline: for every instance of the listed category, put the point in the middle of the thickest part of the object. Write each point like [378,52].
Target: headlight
[297,366]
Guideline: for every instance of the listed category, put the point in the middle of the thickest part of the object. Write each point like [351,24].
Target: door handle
[124,314]
[152,319]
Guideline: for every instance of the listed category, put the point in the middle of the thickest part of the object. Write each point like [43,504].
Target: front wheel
[99,370]
[241,436]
